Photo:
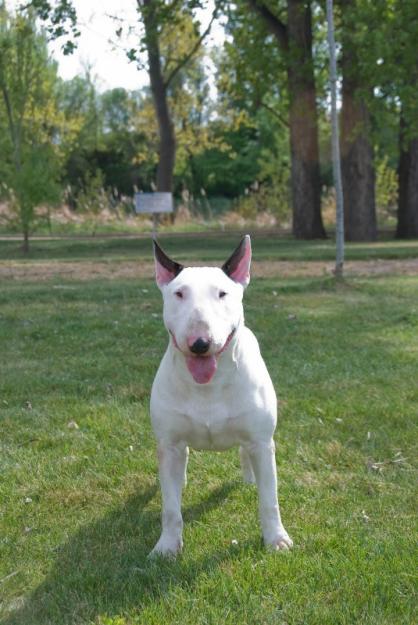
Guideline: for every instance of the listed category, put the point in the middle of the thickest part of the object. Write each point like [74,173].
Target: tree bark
[295,41]
[167,147]
[407,226]
[356,150]
[305,173]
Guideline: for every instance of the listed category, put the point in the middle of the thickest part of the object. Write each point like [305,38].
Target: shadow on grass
[103,569]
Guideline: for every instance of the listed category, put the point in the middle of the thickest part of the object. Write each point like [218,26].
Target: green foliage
[78,102]
[93,198]
[60,20]
[386,189]
[30,160]
[251,68]
[268,198]
[232,166]
[396,68]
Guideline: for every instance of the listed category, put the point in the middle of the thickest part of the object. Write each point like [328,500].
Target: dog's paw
[167,548]
[282,542]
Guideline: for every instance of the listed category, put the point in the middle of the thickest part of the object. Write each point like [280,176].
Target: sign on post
[154,203]
[158,202]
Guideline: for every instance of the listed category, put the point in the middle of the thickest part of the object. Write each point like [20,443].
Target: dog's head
[203,306]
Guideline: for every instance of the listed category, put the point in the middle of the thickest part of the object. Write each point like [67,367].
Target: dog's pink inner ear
[166,269]
[163,275]
[237,267]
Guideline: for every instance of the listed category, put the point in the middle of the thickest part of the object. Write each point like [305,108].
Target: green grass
[80,504]
[205,247]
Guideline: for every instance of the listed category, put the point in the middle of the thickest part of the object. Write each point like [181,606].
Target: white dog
[212,389]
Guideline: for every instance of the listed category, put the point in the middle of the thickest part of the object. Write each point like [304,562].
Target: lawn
[201,247]
[79,494]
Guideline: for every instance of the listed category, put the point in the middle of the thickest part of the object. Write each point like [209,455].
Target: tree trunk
[167,149]
[305,172]
[407,226]
[25,244]
[295,41]
[356,151]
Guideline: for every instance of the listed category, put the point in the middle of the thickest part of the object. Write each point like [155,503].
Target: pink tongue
[202,368]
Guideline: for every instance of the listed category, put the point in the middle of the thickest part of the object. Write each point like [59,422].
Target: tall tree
[356,145]
[30,166]
[158,15]
[294,39]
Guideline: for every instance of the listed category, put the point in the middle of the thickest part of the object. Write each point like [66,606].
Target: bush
[386,190]
[268,198]
[93,199]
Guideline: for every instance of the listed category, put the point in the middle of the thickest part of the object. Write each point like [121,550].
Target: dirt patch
[117,270]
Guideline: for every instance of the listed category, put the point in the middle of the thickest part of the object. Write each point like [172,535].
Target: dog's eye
[222,294]
[179,294]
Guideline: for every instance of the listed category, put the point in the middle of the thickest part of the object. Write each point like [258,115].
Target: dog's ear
[165,268]
[237,267]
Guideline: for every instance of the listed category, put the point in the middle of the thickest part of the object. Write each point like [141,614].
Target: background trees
[257,133]
[30,163]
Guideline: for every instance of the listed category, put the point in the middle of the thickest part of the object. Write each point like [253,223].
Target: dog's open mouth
[203,367]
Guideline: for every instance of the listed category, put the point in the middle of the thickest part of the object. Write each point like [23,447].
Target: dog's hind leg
[172,467]
[246,466]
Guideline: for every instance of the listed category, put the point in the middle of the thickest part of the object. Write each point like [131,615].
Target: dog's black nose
[200,346]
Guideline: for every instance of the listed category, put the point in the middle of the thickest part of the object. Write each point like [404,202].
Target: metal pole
[336,158]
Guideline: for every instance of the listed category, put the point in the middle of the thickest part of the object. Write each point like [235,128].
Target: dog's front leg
[263,461]
[172,469]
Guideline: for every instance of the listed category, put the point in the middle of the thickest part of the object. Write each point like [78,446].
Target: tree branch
[9,112]
[273,23]
[277,115]
[192,52]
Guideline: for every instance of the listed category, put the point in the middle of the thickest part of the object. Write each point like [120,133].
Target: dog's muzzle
[200,364]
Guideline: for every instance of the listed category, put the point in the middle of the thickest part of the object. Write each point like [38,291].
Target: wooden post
[154,225]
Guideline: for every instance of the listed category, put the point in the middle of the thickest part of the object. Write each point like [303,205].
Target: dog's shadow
[103,569]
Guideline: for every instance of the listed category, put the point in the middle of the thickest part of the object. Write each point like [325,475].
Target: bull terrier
[212,389]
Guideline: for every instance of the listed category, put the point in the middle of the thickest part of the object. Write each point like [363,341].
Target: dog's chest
[216,425]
